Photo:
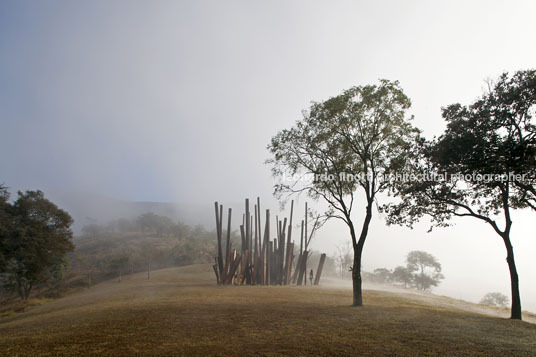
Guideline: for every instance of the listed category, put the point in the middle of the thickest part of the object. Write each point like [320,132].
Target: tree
[164,225]
[37,241]
[147,221]
[158,224]
[122,225]
[92,230]
[119,264]
[346,143]
[344,257]
[495,299]
[181,230]
[426,267]
[475,169]
[402,275]
[382,276]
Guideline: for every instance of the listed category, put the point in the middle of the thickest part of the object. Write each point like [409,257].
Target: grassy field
[180,311]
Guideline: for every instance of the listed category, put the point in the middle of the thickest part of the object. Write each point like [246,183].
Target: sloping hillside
[181,311]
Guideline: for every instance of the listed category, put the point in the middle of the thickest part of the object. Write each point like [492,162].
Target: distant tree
[125,225]
[382,276]
[185,253]
[426,268]
[147,222]
[477,166]
[149,255]
[37,241]
[121,225]
[343,144]
[402,275]
[495,299]
[151,222]
[164,225]
[181,230]
[86,263]
[93,230]
[344,258]
[119,264]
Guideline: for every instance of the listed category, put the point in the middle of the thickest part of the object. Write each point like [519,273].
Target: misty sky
[176,101]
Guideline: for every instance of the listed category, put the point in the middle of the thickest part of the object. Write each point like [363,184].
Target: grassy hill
[180,311]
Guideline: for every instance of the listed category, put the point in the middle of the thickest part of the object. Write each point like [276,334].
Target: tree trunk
[19,289]
[358,251]
[514,280]
[356,277]
[27,290]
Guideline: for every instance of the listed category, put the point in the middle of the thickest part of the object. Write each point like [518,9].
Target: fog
[175,102]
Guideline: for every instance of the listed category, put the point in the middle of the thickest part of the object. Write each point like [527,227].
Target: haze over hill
[89,208]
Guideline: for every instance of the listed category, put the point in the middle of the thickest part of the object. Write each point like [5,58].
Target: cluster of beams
[261,260]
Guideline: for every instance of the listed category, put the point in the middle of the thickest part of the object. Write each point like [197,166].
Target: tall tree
[36,242]
[343,144]
[475,169]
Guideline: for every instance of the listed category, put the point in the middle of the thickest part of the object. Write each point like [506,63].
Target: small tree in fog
[147,222]
[425,268]
[92,230]
[119,264]
[121,225]
[181,230]
[495,299]
[402,275]
[382,276]
[344,258]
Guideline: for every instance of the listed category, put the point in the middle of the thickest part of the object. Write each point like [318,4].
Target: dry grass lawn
[180,311]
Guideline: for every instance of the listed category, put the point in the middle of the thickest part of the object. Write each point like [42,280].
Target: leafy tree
[382,276]
[37,241]
[426,267]
[402,275]
[346,143]
[475,168]
[495,299]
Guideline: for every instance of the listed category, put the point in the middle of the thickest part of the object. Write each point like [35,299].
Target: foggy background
[167,101]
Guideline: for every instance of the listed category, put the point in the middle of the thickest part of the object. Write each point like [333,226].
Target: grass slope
[181,312]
